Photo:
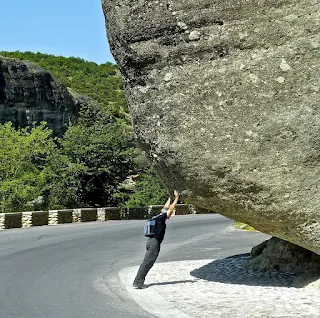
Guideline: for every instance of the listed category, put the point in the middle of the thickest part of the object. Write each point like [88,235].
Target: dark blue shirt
[160,226]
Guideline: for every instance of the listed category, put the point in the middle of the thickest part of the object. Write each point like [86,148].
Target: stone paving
[226,288]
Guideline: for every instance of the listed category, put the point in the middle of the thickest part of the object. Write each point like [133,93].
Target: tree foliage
[23,156]
[150,191]
[93,159]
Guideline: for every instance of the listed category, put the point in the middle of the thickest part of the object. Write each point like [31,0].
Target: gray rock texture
[224,97]
[276,255]
[30,94]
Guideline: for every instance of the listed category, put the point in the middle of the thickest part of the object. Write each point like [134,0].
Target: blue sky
[59,27]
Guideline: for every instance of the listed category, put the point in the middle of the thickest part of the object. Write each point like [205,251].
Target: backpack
[150,227]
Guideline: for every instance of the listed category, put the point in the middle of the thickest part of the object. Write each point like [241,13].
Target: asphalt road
[71,270]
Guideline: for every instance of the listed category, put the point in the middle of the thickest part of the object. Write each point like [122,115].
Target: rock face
[30,94]
[224,97]
[276,255]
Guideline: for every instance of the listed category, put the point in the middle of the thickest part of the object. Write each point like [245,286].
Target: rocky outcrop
[30,94]
[276,255]
[224,97]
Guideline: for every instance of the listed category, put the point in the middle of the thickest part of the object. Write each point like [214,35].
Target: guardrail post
[101,214]
[125,212]
[76,215]
[192,209]
[26,219]
[53,217]
[2,219]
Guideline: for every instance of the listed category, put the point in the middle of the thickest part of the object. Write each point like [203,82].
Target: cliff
[30,94]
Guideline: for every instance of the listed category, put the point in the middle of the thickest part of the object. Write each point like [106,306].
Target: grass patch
[243,226]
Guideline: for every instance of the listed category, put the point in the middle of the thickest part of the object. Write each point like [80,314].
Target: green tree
[150,191]
[23,155]
[95,156]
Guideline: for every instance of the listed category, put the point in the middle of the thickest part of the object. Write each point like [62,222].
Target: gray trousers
[153,249]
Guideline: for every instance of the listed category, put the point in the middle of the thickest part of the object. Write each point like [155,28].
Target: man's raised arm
[173,205]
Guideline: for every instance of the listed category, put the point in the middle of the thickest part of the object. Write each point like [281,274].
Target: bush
[150,191]
[23,154]
[94,157]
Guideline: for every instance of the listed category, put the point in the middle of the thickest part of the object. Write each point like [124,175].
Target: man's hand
[174,203]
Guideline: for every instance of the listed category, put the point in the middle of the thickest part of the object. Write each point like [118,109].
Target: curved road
[71,270]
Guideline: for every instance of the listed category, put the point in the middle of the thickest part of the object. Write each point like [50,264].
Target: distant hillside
[29,94]
[102,82]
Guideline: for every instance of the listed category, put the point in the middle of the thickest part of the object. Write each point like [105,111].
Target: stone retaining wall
[53,217]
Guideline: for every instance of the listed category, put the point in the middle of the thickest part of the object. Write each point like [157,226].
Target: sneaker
[143,286]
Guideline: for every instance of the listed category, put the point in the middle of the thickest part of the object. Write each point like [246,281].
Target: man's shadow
[175,282]
[235,270]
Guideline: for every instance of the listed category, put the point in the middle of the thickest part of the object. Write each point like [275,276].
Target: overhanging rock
[224,96]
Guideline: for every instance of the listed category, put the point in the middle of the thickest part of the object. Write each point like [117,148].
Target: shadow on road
[235,270]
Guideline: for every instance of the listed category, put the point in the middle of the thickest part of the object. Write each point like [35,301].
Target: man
[154,242]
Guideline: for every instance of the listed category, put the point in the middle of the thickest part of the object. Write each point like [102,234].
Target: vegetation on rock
[102,83]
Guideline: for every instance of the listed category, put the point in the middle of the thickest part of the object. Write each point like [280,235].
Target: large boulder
[30,94]
[224,97]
